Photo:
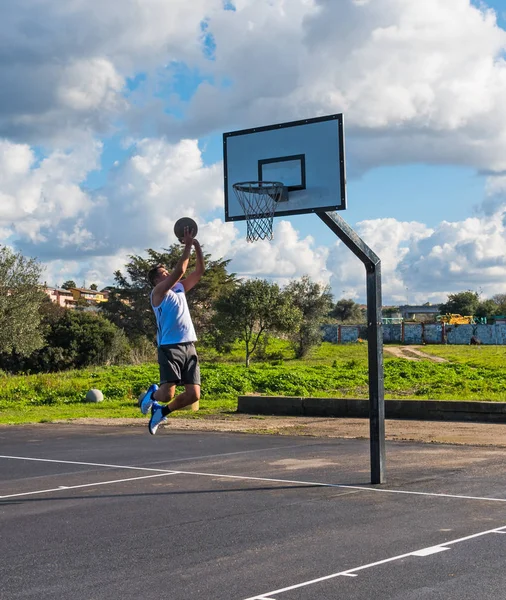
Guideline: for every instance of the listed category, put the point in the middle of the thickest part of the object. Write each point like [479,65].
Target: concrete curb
[421,410]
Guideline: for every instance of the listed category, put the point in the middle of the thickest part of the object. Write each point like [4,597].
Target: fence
[420,333]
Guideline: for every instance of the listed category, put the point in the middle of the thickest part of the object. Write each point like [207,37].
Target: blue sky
[498,6]
[103,148]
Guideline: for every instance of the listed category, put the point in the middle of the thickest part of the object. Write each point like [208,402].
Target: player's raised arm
[165,284]
[200,267]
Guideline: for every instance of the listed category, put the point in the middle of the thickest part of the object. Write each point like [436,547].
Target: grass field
[471,373]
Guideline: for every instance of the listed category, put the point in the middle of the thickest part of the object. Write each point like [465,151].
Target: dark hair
[153,273]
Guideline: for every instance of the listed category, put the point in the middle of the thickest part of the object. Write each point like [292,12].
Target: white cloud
[419,264]
[79,236]
[137,208]
[285,258]
[50,216]
[98,270]
[90,84]
[218,238]
[392,241]
[35,195]
[64,65]
[457,256]
[157,185]
[417,81]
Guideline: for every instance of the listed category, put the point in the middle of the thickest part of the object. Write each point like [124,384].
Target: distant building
[92,296]
[423,313]
[61,297]
[497,319]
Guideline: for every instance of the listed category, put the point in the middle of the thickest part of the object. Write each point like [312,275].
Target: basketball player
[177,357]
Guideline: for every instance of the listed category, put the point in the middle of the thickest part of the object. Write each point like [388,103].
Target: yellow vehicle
[452,319]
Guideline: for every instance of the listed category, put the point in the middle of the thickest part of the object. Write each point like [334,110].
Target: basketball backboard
[306,156]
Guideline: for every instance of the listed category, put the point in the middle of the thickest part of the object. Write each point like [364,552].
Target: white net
[258,200]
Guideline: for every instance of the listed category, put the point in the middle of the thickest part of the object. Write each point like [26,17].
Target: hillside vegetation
[472,373]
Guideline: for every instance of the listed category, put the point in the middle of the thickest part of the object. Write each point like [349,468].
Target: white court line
[421,552]
[75,487]
[269,479]
[429,551]
[89,464]
[343,486]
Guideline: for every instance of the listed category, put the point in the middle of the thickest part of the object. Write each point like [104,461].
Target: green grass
[475,356]
[329,371]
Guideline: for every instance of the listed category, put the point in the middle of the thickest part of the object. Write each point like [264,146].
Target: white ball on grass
[94,396]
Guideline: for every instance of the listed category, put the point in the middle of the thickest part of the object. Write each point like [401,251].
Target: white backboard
[307,156]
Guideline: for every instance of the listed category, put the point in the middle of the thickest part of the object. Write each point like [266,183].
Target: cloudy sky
[112,114]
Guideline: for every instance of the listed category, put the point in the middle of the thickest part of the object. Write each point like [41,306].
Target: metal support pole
[374,339]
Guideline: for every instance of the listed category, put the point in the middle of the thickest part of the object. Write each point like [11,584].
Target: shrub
[74,340]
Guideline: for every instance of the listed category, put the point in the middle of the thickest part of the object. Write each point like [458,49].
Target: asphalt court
[110,512]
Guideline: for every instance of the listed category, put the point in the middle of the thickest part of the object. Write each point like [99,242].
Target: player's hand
[188,236]
[196,242]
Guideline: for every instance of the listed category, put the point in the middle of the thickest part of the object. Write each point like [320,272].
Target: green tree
[129,306]
[20,300]
[94,286]
[487,308]
[314,302]
[500,300]
[462,303]
[346,310]
[67,285]
[73,340]
[254,309]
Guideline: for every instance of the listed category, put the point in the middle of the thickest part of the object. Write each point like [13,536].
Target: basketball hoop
[258,200]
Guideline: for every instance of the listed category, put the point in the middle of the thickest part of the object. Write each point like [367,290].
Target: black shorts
[179,364]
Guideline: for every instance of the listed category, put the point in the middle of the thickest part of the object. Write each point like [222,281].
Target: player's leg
[159,412]
[190,377]
[190,395]
[165,393]
[170,375]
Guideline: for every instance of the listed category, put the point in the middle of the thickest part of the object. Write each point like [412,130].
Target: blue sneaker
[156,418]
[148,400]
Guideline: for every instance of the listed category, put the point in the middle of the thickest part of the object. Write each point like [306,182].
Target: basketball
[180,225]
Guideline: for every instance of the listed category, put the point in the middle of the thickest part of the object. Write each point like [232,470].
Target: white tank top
[173,319]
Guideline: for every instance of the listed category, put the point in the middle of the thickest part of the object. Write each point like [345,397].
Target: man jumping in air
[177,357]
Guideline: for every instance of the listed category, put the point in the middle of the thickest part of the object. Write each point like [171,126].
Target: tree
[129,306]
[67,285]
[462,303]
[73,340]
[20,300]
[487,308]
[254,309]
[346,310]
[314,301]
[94,286]
[500,300]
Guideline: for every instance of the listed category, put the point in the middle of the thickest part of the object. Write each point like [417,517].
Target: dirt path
[444,432]
[412,353]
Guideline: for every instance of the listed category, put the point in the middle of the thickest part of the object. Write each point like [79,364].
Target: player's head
[157,274]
